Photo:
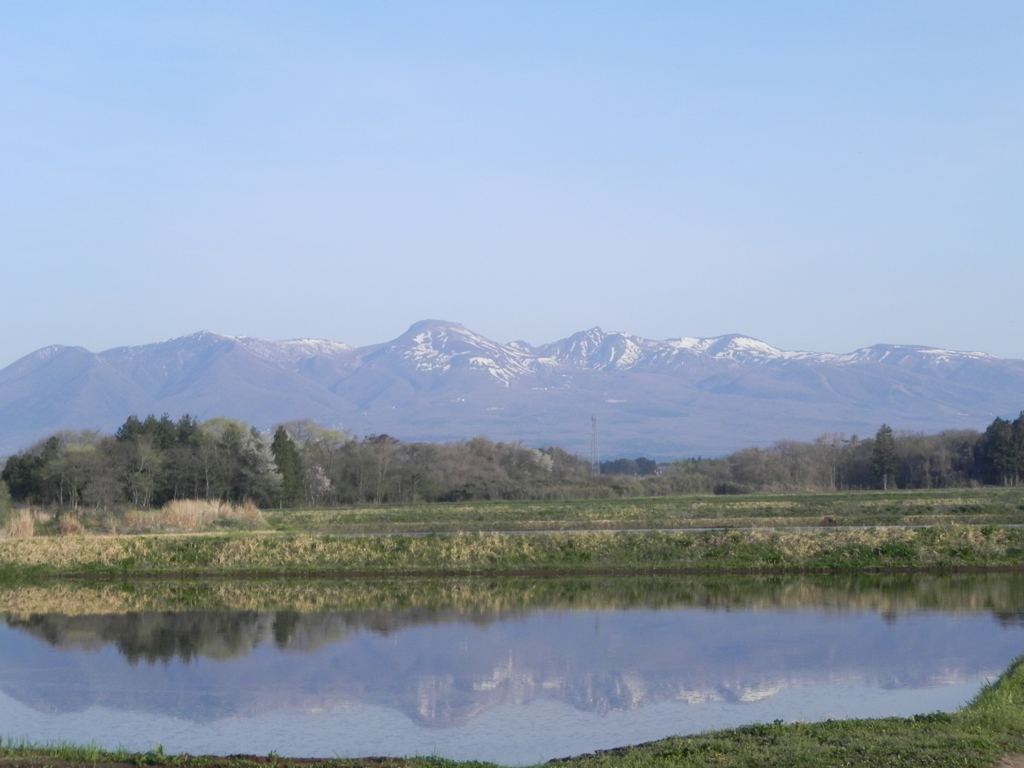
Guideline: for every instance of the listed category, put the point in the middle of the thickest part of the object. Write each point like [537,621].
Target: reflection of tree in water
[285,623]
[186,635]
[223,634]
[154,637]
[447,677]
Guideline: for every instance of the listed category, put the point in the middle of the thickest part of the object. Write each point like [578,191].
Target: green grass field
[981,506]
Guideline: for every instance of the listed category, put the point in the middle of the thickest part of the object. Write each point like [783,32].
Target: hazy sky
[820,175]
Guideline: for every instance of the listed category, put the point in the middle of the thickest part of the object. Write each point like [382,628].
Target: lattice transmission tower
[595,457]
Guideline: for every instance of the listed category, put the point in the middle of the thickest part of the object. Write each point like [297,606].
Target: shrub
[730,489]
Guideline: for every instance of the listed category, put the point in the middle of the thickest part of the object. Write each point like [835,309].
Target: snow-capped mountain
[439,347]
[440,380]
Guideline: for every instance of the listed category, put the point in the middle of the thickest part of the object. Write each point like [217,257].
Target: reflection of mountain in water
[442,667]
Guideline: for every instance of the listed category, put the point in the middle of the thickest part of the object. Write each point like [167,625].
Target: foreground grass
[991,726]
[980,506]
[21,753]
[979,735]
[707,551]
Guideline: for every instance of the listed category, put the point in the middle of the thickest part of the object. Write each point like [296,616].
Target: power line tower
[595,458]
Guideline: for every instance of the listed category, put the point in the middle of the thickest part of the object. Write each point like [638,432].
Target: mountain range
[441,381]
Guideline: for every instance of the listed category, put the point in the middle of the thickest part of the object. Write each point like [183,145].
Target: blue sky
[818,175]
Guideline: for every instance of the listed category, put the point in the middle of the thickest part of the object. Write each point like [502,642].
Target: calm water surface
[516,685]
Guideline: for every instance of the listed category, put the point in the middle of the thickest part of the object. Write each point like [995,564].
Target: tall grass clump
[69,525]
[21,524]
[192,515]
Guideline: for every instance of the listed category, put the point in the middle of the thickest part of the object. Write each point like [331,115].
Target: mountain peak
[440,345]
[736,346]
[902,354]
[199,337]
[433,325]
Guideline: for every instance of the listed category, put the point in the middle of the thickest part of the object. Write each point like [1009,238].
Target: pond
[514,671]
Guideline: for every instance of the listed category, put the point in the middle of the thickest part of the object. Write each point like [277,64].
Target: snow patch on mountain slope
[896,353]
[196,343]
[596,350]
[438,346]
[625,354]
[499,372]
[48,352]
[293,349]
[743,348]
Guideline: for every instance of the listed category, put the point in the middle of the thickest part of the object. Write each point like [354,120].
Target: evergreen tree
[23,475]
[884,461]
[645,466]
[1017,448]
[5,505]
[289,464]
[1001,452]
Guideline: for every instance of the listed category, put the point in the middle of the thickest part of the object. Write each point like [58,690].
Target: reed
[192,515]
[22,525]
[69,525]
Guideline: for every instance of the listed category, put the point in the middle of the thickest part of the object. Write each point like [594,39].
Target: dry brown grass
[23,525]
[830,549]
[69,525]
[191,515]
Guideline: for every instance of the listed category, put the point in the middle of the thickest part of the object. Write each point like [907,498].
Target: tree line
[836,462]
[151,461]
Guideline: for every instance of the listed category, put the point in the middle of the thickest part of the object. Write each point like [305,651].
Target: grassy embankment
[979,735]
[981,506]
[758,550]
[812,531]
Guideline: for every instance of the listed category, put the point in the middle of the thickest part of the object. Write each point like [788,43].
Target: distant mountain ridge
[440,381]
